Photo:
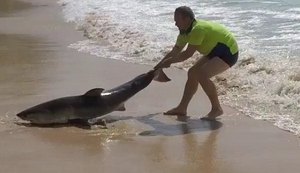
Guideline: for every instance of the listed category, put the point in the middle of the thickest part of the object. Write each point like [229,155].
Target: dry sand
[37,65]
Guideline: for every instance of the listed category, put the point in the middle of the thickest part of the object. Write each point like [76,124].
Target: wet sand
[9,7]
[37,65]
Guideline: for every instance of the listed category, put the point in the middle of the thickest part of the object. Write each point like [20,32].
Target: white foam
[268,90]
[294,10]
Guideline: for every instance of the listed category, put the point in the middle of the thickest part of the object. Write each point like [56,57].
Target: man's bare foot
[175,111]
[213,114]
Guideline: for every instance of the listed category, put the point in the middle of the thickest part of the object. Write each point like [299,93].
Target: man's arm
[173,53]
[191,49]
[178,57]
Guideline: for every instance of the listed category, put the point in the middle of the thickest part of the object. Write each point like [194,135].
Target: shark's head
[34,115]
[40,116]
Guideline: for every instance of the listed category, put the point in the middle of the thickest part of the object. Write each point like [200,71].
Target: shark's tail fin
[160,76]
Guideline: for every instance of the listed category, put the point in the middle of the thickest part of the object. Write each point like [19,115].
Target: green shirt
[206,35]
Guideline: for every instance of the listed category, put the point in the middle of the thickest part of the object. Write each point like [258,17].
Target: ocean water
[264,84]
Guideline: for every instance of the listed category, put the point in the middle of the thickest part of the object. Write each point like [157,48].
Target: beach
[37,65]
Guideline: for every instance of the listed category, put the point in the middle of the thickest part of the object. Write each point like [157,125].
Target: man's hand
[164,64]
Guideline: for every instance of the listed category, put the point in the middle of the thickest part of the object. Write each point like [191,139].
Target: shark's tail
[159,75]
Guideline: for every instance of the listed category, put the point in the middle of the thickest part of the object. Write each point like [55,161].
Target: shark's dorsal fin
[94,92]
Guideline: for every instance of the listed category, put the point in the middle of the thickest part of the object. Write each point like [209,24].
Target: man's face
[181,22]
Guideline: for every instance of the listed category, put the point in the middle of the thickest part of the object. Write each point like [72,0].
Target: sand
[37,65]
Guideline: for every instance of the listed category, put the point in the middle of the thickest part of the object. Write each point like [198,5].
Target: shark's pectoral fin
[121,108]
[94,92]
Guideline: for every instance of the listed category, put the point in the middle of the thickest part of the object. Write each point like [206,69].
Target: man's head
[183,17]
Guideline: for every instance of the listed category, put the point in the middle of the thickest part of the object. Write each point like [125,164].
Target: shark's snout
[22,115]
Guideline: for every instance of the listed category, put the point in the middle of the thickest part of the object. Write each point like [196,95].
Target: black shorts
[222,51]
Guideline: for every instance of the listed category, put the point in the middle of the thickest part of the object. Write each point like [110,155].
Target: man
[220,51]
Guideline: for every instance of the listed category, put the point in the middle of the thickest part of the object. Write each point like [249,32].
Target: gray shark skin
[95,103]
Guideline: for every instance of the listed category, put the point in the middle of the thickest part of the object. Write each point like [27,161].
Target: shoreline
[41,67]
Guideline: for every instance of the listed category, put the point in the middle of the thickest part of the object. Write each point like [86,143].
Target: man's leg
[213,67]
[190,89]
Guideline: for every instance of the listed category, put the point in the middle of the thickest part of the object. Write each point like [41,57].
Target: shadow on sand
[182,126]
